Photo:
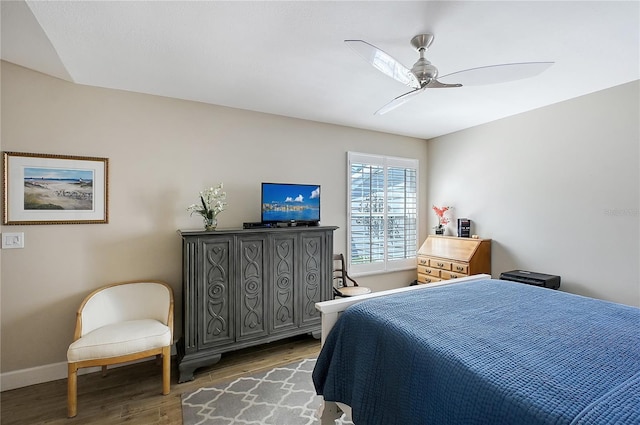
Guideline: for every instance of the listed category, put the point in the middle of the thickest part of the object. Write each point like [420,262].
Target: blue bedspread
[488,352]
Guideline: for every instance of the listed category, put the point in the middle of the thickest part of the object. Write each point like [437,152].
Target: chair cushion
[120,339]
[352,291]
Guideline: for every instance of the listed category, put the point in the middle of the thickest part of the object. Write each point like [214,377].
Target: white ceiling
[289,58]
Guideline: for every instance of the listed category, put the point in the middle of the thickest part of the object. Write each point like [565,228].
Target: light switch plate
[12,240]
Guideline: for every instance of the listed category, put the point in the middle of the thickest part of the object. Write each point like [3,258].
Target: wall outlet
[12,240]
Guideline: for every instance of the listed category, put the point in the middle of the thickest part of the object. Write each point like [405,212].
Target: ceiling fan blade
[494,74]
[384,63]
[435,84]
[400,100]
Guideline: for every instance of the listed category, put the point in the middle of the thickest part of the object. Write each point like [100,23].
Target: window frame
[386,265]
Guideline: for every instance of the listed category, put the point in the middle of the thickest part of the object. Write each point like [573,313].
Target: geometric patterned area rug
[281,396]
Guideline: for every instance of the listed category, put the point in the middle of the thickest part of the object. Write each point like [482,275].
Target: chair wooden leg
[72,390]
[166,370]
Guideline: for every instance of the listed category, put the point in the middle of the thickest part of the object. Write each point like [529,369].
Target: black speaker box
[532,278]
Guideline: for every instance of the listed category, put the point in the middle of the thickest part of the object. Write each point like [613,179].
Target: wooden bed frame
[331,310]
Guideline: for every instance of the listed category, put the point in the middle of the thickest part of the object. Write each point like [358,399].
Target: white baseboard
[37,375]
[51,372]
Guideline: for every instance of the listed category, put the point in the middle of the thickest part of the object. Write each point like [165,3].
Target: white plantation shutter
[382,213]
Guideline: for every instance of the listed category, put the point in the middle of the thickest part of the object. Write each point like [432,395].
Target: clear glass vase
[210,224]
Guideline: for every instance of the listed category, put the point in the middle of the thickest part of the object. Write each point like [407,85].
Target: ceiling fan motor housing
[422,69]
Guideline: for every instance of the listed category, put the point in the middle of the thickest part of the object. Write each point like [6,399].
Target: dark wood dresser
[246,287]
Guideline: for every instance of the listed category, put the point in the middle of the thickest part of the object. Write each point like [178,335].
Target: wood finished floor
[132,394]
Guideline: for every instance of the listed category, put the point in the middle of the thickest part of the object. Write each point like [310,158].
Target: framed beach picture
[54,189]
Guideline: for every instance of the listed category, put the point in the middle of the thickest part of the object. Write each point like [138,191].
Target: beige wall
[161,152]
[557,189]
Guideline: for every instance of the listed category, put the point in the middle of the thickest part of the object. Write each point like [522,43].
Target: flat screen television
[290,203]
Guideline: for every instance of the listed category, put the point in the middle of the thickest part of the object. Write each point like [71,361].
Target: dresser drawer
[460,268]
[446,275]
[440,264]
[423,261]
[423,278]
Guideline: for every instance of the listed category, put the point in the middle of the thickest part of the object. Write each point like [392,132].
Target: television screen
[284,202]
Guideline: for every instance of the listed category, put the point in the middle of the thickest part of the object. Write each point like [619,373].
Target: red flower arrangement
[442,220]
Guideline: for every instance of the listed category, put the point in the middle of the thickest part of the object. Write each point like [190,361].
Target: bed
[479,351]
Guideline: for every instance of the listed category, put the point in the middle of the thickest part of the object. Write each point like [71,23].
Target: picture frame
[54,189]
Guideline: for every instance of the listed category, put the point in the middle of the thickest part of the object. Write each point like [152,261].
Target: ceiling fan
[423,75]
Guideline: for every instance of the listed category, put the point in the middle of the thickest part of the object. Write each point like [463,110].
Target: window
[382,213]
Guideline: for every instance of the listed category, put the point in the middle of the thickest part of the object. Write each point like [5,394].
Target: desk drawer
[460,268]
[423,261]
[440,264]
[423,278]
[429,271]
[446,275]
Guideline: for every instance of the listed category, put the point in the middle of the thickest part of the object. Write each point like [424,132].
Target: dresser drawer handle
[423,261]
[453,276]
[427,270]
[459,268]
[440,264]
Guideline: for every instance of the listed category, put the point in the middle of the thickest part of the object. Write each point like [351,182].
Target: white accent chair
[120,323]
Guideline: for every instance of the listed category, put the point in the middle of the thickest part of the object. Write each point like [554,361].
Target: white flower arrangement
[212,203]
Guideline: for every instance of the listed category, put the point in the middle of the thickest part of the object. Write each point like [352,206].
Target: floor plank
[131,394]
